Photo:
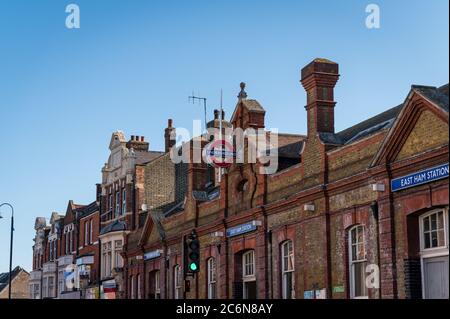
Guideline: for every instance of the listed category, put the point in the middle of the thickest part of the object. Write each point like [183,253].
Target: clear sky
[132,65]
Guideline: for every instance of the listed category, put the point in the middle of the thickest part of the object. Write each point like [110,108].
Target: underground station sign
[220,154]
[419,178]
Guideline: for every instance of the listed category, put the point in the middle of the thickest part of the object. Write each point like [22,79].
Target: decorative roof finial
[242,94]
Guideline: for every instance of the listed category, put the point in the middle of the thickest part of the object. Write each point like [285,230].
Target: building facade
[121,198]
[330,223]
[361,213]
[64,265]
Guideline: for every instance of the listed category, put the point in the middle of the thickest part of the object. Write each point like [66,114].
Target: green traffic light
[193,266]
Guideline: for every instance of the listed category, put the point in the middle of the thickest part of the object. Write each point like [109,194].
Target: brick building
[121,196]
[61,256]
[331,217]
[360,213]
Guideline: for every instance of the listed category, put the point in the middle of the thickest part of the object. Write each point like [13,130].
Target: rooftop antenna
[220,129]
[199,99]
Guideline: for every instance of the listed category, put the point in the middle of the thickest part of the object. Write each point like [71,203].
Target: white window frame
[177,282]
[351,262]
[50,244]
[157,277]
[36,291]
[107,259]
[44,288]
[248,276]
[285,269]
[61,282]
[117,211]
[51,287]
[124,201]
[133,291]
[138,283]
[435,251]
[91,234]
[212,278]
[71,242]
[86,233]
[118,245]
[66,237]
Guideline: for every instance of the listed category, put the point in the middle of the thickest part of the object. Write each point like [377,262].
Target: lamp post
[11,245]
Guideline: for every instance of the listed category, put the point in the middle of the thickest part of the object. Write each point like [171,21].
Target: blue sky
[132,65]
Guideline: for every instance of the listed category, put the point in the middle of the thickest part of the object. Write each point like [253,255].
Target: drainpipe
[374,209]
[268,259]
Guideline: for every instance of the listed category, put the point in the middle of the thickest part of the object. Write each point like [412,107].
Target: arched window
[132,291]
[177,282]
[357,262]
[434,253]
[138,280]
[211,266]
[157,285]
[248,275]
[287,268]
[154,286]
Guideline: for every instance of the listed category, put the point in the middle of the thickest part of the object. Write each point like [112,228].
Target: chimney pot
[223,115]
[142,138]
[132,137]
[216,114]
[169,122]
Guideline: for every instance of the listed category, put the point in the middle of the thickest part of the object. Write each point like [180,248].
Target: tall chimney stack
[138,143]
[319,79]
[168,132]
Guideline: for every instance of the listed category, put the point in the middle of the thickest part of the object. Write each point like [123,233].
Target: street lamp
[11,244]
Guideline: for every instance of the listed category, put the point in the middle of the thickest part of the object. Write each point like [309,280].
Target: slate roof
[438,96]
[252,105]
[157,216]
[207,195]
[87,210]
[384,120]
[115,226]
[143,157]
[173,209]
[4,277]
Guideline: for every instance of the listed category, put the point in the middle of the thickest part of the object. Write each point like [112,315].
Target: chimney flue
[169,136]
[319,79]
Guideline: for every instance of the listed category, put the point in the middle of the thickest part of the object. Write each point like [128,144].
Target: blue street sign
[152,255]
[419,178]
[241,229]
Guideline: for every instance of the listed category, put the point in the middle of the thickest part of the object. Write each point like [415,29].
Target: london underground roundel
[220,154]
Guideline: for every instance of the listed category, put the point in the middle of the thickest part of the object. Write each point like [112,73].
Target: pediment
[422,124]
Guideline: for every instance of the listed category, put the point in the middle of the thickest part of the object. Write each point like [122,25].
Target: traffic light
[192,253]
